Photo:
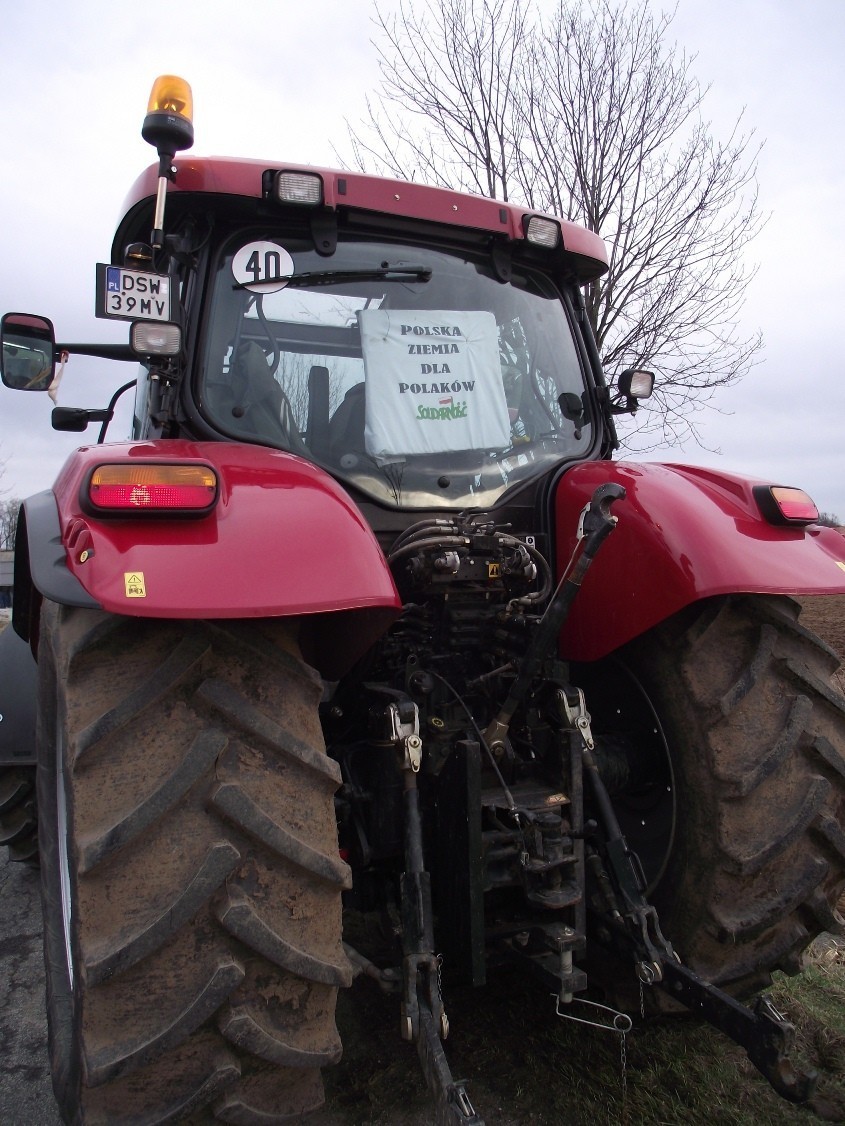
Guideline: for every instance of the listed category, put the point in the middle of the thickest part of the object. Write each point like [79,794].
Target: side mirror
[571,407]
[27,352]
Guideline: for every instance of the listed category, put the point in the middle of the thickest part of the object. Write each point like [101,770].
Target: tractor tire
[755,735]
[18,818]
[190,871]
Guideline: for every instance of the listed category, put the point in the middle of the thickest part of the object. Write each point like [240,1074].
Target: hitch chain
[621,1023]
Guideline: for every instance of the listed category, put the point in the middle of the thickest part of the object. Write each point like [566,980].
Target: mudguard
[684,533]
[283,540]
[18,684]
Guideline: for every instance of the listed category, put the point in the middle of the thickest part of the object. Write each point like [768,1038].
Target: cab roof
[230,176]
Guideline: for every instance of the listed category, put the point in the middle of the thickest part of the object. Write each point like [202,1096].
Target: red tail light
[783,505]
[147,487]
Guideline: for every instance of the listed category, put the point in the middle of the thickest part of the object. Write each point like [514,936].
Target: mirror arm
[110,409]
[101,351]
[76,419]
[630,406]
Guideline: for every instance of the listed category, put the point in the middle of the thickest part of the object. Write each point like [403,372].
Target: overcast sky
[277,80]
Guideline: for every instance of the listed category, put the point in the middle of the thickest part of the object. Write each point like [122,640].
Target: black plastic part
[168,133]
[610,442]
[101,351]
[324,232]
[502,259]
[458,864]
[772,511]
[76,419]
[40,562]
[18,686]
[598,524]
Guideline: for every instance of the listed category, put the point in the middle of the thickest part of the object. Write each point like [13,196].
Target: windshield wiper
[336,277]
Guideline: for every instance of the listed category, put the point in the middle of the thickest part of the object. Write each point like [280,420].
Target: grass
[524,1065]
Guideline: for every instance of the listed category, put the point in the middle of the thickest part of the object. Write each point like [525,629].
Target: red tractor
[364,620]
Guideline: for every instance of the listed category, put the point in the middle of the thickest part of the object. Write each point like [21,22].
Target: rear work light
[151,488]
[783,505]
[542,232]
[299,187]
[155,338]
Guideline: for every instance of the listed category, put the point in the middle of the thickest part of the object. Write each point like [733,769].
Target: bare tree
[8,522]
[590,113]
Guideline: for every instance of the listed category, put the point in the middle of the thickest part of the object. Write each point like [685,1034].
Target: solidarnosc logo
[445,410]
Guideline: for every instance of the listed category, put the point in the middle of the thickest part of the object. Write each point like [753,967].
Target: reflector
[795,504]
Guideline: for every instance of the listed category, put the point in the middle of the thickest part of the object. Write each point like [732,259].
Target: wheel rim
[646,809]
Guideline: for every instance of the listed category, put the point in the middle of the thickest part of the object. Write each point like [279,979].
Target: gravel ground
[26,1097]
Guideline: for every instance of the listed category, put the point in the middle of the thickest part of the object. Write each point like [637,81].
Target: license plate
[132,295]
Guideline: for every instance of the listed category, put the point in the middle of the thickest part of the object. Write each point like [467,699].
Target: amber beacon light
[169,127]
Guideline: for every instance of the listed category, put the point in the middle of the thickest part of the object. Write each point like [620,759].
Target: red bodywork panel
[284,539]
[684,533]
[235,177]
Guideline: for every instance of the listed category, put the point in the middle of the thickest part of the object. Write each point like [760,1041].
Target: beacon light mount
[169,128]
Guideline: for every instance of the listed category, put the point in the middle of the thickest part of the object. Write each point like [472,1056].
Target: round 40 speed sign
[262,267]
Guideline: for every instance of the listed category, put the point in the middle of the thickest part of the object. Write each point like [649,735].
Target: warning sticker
[134,584]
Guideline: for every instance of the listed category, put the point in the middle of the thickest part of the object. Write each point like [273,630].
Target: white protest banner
[434,382]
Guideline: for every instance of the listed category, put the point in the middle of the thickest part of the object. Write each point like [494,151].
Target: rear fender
[283,540]
[684,533]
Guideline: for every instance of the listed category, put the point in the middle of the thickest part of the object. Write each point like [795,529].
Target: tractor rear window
[413,374]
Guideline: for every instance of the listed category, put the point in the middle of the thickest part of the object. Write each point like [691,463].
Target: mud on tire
[756,735]
[191,880]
